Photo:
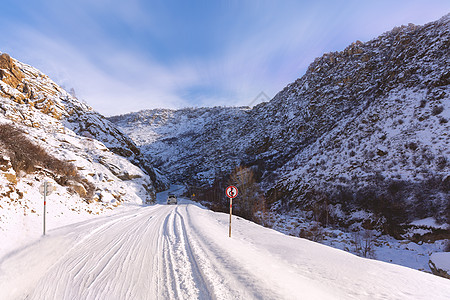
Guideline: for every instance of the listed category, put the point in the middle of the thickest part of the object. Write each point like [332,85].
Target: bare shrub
[29,157]
[423,102]
[314,233]
[26,155]
[90,188]
[412,145]
[441,162]
[61,167]
[395,186]
[23,153]
[249,193]
[364,243]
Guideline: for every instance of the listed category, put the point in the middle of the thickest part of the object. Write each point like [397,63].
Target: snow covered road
[184,252]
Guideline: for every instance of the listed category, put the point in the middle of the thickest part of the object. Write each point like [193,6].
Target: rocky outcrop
[78,188]
[24,85]
[7,170]
[11,74]
[35,93]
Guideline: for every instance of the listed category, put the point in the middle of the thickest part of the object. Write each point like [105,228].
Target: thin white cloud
[268,59]
[263,50]
[136,82]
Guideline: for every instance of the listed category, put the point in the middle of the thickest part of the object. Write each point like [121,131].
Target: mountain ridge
[391,93]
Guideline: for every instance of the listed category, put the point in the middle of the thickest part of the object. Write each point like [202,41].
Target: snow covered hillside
[184,252]
[190,145]
[360,142]
[363,126]
[48,135]
[354,154]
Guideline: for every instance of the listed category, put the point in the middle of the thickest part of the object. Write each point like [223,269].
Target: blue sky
[123,56]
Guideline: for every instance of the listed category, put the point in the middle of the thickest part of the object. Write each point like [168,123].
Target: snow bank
[440,264]
[430,222]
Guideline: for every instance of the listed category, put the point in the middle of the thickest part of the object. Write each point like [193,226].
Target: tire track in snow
[158,252]
[110,263]
[181,269]
[200,278]
[228,279]
[183,252]
[48,252]
[146,251]
[167,264]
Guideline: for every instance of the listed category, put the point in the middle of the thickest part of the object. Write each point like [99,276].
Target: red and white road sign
[231,192]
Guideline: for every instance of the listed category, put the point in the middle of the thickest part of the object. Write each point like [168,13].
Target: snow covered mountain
[365,130]
[48,135]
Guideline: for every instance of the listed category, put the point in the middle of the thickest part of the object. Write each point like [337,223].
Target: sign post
[45,189]
[231,193]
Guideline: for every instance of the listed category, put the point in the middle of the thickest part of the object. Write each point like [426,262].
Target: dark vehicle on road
[172,199]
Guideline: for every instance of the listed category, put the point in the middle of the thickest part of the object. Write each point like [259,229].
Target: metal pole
[231,210]
[45,202]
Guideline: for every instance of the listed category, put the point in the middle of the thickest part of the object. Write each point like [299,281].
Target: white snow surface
[21,217]
[429,222]
[441,260]
[184,252]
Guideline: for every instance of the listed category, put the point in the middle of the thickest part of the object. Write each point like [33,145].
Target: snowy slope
[32,90]
[360,142]
[109,168]
[114,178]
[366,125]
[184,252]
[189,145]
[440,264]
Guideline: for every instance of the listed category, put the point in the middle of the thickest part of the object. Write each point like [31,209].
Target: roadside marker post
[45,189]
[231,193]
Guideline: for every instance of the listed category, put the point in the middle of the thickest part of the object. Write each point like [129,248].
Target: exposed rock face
[10,74]
[364,128]
[6,170]
[78,188]
[35,92]
[23,85]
